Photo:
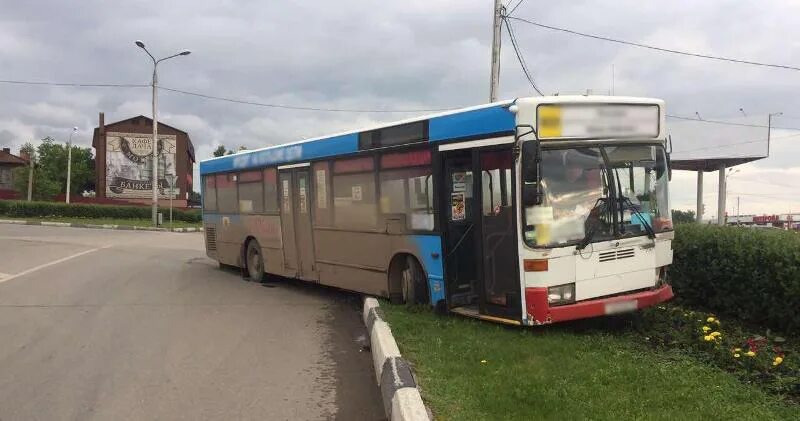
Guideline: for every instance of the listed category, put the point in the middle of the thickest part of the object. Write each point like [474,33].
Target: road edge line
[48,264]
[399,392]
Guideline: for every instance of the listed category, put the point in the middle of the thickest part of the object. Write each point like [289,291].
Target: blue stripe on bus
[428,246]
[471,123]
[299,152]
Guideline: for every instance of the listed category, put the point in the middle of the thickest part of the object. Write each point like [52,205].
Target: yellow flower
[483,361]
[736,355]
[715,334]
[716,321]
[706,328]
[778,361]
[710,320]
[737,349]
[708,338]
[750,354]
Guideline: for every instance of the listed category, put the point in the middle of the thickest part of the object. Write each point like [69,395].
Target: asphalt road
[114,325]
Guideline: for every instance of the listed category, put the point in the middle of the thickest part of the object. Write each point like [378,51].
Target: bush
[751,274]
[24,209]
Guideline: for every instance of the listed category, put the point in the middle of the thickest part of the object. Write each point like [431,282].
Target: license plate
[621,307]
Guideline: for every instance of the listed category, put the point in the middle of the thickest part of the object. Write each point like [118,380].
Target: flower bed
[764,358]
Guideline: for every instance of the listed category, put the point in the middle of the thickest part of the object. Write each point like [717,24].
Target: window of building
[210,193]
[251,192]
[354,201]
[227,201]
[270,190]
[323,214]
[407,188]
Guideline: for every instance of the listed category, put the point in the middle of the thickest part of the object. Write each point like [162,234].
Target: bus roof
[464,123]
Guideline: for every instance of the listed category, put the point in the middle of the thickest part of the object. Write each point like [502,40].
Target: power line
[729,123]
[300,108]
[521,60]
[650,47]
[75,85]
[515,7]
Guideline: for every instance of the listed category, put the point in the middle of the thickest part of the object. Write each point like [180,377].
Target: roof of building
[711,164]
[6,157]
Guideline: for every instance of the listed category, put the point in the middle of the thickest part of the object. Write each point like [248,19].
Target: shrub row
[22,209]
[748,273]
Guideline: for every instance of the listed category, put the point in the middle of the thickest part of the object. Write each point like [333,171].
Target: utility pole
[769,127]
[69,162]
[30,174]
[141,45]
[494,81]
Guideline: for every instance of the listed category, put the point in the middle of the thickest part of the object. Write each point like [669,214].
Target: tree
[220,151]
[50,171]
[679,216]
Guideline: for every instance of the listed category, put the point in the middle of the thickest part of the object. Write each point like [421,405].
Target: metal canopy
[711,164]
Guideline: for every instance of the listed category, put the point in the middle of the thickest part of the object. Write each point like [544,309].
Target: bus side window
[354,201]
[251,192]
[210,193]
[227,201]
[270,190]
[407,187]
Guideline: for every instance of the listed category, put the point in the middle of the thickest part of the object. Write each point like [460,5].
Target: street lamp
[69,161]
[769,127]
[140,44]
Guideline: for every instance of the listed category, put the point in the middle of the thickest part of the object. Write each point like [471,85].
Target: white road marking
[54,262]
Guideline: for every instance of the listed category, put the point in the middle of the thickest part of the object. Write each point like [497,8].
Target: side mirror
[531,195]
[530,161]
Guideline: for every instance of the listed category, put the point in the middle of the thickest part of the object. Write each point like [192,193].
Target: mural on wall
[129,165]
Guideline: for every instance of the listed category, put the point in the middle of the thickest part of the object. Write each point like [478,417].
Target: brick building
[8,163]
[123,160]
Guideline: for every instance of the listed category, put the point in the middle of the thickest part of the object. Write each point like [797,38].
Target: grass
[108,221]
[583,370]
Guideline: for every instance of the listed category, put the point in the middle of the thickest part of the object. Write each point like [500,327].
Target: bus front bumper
[539,312]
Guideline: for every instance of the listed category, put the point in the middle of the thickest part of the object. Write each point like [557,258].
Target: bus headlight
[561,294]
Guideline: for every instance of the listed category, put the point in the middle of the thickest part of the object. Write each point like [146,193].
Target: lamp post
[769,127]
[731,171]
[141,45]
[69,161]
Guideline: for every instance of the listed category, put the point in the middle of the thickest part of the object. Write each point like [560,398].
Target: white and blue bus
[530,211]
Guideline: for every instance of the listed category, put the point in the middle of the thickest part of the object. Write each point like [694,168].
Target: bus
[527,212]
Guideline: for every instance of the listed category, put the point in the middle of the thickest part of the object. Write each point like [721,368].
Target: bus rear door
[298,241]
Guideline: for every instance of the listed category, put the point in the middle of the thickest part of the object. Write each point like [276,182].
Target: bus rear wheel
[413,283]
[255,262]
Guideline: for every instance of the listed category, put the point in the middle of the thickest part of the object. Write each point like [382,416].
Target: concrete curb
[401,398]
[96,226]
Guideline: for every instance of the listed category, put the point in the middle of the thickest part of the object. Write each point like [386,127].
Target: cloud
[396,54]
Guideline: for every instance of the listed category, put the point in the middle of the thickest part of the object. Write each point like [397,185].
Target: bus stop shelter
[703,165]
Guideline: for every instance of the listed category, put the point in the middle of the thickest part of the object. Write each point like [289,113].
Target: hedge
[22,209]
[752,274]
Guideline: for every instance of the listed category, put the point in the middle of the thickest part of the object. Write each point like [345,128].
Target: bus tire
[413,283]
[254,262]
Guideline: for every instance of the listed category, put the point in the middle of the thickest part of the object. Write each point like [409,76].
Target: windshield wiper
[591,228]
[628,203]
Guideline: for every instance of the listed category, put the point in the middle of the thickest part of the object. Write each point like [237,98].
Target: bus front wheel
[255,261]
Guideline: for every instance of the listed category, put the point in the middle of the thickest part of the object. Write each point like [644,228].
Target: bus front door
[298,243]
[481,263]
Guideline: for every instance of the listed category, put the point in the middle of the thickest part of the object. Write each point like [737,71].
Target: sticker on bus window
[357,193]
[322,190]
[458,211]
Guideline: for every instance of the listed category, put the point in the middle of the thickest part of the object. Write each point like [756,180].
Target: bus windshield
[592,194]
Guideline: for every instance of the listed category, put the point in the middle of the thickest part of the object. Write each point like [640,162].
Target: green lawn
[109,221]
[584,370]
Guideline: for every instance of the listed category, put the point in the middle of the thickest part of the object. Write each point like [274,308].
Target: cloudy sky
[409,54]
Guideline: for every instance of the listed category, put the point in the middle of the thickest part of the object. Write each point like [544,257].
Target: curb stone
[401,398]
[97,226]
